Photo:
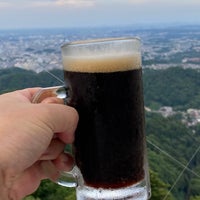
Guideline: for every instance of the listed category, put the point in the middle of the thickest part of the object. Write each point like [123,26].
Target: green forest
[171,143]
[174,87]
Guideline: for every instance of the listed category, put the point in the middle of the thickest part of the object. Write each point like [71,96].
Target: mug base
[137,191]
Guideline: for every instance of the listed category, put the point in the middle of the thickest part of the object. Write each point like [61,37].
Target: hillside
[16,78]
[174,87]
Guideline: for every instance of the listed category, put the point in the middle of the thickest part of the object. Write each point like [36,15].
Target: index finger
[61,119]
[29,92]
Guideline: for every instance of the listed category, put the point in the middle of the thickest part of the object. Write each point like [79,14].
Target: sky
[81,13]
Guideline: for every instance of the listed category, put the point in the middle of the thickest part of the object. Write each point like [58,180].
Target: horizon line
[154,25]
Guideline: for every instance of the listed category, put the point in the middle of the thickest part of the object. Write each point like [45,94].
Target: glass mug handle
[71,178]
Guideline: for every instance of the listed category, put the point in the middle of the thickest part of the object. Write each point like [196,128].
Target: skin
[33,137]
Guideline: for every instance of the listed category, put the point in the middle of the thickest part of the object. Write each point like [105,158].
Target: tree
[159,189]
[195,198]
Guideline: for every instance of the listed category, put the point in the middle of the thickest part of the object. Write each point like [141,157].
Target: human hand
[32,140]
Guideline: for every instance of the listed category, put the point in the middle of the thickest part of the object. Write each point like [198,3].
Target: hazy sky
[76,13]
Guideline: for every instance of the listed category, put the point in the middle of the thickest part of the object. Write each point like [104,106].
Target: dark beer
[109,140]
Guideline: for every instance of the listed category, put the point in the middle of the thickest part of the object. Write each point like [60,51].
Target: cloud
[137,1]
[5,4]
[66,13]
[164,2]
[18,4]
[62,3]
[76,2]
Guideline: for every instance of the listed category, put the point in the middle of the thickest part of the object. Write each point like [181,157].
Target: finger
[64,162]
[53,100]
[55,148]
[30,179]
[29,92]
[49,170]
[68,115]
[27,182]
[60,119]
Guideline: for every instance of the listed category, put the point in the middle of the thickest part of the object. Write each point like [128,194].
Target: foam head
[102,56]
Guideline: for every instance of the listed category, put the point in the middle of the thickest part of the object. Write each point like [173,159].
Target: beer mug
[103,82]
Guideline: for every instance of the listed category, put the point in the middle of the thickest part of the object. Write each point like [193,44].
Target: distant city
[39,50]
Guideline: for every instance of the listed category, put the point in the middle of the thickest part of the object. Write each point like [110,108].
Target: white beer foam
[105,63]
